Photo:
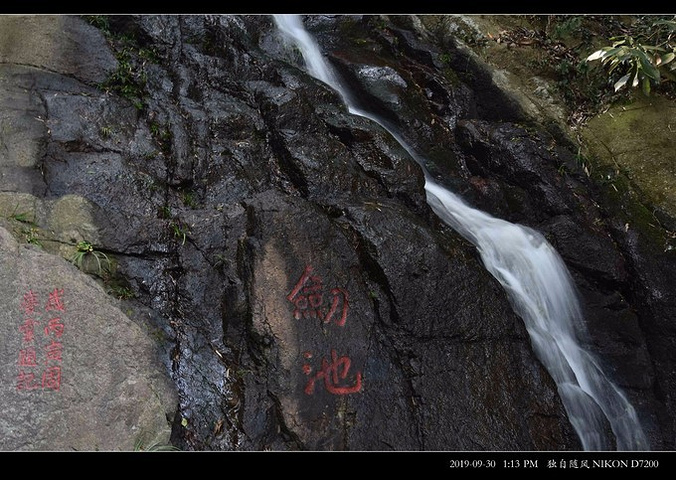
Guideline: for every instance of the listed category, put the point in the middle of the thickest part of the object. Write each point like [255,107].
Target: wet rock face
[297,324]
[343,348]
[304,294]
[482,146]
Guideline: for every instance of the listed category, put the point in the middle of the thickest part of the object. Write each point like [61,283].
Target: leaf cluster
[85,250]
[638,62]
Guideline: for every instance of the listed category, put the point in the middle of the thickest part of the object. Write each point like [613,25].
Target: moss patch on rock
[637,140]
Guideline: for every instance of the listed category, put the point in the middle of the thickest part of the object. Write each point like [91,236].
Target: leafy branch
[639,62]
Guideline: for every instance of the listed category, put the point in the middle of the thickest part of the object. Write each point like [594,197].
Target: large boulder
[77,373]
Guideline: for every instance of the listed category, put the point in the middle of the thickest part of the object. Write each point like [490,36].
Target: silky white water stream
[539,286]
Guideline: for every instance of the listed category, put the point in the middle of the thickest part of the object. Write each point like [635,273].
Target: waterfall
[535,278]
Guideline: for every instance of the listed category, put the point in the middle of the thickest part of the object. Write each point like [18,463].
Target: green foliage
[99,21]
[644,59]
[121,292]
[180,230]
[552,48]
[165,212]
[129,80]
[189,199]
[85,250]
[21,217]
[27,227]
[32,236]
[568,26]
[105,131]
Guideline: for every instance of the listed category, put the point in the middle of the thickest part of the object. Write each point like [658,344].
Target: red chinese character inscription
[333,374]
[308,299]
[28,357]
[54,302]
[51,378]
[28,330]
[26,381]
[53,351]
[54,326]
[29,376]
[29,303]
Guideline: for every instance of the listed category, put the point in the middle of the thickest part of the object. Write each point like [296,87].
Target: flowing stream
[538,284]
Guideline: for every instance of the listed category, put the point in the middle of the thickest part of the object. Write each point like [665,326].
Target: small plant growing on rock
[21,217]
[189,199]
[28,229]
[180,230]
[32,236]
[106,131]
[85,250]
[121,292]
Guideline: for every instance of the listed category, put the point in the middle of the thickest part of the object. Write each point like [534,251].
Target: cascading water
[537,282]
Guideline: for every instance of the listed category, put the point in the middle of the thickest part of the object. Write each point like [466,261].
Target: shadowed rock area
[273,257]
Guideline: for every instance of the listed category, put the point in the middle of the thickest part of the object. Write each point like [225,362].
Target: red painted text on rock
[41,351]
[308,297]
[334,374]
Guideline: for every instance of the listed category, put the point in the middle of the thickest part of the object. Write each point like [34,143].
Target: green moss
[130,77]
[626,201]
[99,21]
[636,142]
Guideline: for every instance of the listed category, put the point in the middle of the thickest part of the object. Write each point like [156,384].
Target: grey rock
[58,43]
[77,373]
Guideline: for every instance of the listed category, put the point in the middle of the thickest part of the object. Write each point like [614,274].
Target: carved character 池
[333,373]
